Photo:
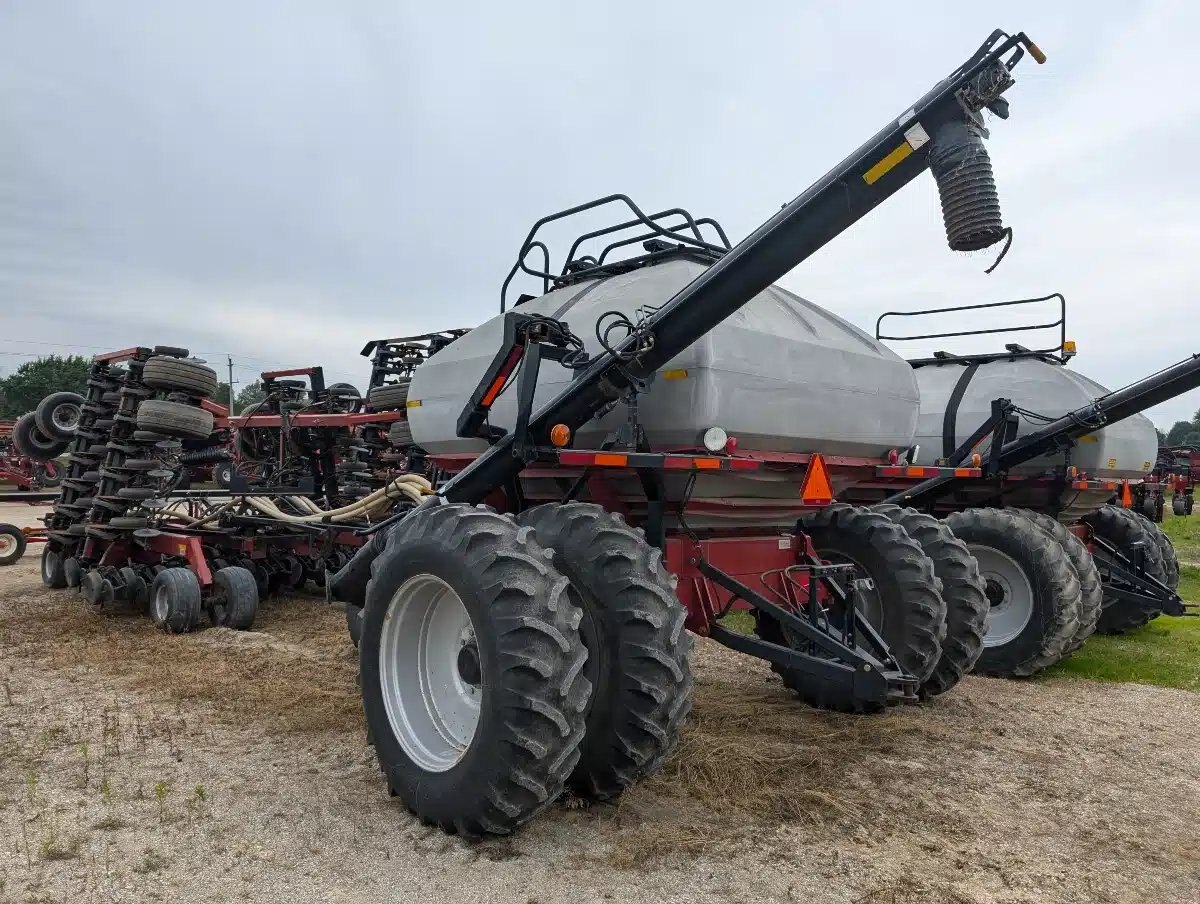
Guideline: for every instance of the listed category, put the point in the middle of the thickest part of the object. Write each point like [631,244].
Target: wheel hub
[7,545]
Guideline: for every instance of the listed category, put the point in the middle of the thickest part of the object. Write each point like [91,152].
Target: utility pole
[229,358]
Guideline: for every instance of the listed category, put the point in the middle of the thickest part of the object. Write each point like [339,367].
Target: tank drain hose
[960,163]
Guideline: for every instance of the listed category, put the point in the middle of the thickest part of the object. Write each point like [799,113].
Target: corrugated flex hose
[960,163]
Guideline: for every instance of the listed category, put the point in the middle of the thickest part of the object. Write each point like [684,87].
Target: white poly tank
[1126,449]
[781,375]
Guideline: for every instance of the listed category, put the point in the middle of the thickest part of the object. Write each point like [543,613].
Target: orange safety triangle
[816,489]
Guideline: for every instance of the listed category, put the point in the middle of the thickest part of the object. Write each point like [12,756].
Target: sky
[283,181]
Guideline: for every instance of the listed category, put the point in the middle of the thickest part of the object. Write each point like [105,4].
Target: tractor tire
[175,600]
[223,474]
[31,441]
[180,375]
[637,647]
[472,670]
[1091,590]
[57,415]
[962,589]
[234,599]
[1166,549]
[1122,529]
[54,575]
[1031,586]
[400,435]
[906,606]
[388,398]
[12,544]
[1178,505]
[174,419]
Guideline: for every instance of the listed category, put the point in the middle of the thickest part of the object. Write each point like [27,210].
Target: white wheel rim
[427,634]
[162,606]
[65,417]
[8,545]
[1008,591]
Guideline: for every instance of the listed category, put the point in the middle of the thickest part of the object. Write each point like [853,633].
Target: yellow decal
[1112,464]
[183,549]
[674,374]
[1090,438]
[413,403]
[887,164]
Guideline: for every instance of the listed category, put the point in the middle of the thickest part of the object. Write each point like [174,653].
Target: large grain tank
[780,375]
[957,394]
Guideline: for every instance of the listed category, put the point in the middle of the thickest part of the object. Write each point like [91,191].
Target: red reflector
[816,489]
[574,458]
[609,460]
[743,464]
[674,461]
[891,472]
[497,384]
[962,472]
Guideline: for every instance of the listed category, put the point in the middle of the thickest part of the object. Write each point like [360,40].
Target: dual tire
[482,695]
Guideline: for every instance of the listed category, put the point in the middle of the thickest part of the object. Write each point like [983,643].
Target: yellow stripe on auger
[887,164]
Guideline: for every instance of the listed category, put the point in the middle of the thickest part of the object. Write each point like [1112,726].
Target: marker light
[715,439]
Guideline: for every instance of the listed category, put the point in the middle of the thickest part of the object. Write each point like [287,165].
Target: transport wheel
[72,571]
[175,600]
[1123,529]
[223,474]
[234,599]
[472,670]
[400,434]
[1091,590]
[48,474]
[1178,505]
[180,375]
[388,398]
[344,396]
[1031,586]
[174,419]
[30,440]
[636,644]
[962,589]
[53,574]
[57,415]
[12,544]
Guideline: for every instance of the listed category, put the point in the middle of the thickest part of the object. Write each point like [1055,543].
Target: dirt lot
[220,766]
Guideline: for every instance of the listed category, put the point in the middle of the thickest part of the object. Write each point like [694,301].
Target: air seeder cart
[509,647]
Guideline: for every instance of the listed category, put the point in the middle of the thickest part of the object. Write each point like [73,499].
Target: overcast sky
[285,180]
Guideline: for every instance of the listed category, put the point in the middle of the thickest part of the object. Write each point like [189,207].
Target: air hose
[960,163]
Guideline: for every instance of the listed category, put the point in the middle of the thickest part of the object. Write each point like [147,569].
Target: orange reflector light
[674,374]
[560,435]
[962,472]
[610,460]
[1126,496]
[708,463]
[976,460]
[816,489]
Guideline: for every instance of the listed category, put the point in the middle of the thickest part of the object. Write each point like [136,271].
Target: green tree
[1178,431]
[221,396]
[249,395]
[34,380]
[1192,439]
[1162,437]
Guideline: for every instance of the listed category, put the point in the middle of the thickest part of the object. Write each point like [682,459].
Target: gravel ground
[223,766]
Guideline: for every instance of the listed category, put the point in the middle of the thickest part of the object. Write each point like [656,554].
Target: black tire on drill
[906,606]
[31,441]
[180,375]
[400,434]
[12,544]
[528,656]
[1032,563]
[234,599]
[223,474]
[388,398]
[175,600]
[1123,529]
[53,574]
[962,589]
[633,629]
[1091,589]
[1179,505]
[57,415]
[174,419]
